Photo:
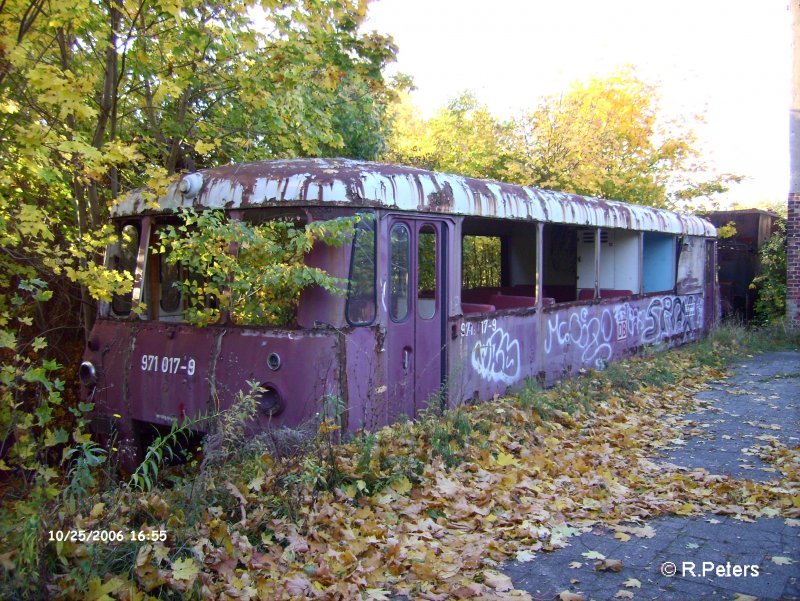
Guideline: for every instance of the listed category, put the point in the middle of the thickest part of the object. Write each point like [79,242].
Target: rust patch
[441,200]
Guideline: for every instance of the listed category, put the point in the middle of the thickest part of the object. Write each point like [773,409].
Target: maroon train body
[564,282]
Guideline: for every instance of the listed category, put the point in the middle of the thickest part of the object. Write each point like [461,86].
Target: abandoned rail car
[459,289]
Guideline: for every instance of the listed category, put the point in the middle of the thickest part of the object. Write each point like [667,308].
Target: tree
[98,97]
[461,138]
[605,138]
[602,138]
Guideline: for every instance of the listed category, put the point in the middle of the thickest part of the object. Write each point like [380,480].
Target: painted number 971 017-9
[167,365]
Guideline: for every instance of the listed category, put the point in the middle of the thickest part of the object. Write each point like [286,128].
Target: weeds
[162,449]
[534,398]
[226,430]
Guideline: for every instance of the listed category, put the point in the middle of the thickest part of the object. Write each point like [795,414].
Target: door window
[399,272]
[426,272]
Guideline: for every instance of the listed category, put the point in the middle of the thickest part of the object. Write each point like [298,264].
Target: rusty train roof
[344,182]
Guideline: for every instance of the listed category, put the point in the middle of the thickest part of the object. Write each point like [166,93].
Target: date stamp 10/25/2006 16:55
[107,536]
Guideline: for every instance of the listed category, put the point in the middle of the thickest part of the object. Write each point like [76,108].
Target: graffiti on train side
[594,331]
[497,358]
[589,332]
[670,316]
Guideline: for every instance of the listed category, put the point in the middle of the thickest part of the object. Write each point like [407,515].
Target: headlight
[270,401]
[87,374]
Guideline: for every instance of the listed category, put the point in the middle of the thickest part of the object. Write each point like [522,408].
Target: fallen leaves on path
[430,531]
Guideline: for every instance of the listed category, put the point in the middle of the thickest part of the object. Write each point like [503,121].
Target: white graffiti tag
[497,359]
[670,316]
[590,333]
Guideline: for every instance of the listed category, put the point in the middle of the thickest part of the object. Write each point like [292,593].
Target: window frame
[428,229]
[369,220]
[137,226]
[408,311]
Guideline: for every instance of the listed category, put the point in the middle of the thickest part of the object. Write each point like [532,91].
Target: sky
[729,61]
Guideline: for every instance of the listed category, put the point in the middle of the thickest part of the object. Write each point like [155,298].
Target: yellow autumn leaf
[401,485]
[506,459]
[622,536]
[327,426]
[782,561]
[100,591]
[632,583]
[97,510]
[203,147]
[609,565]
[184,569]
[9,107]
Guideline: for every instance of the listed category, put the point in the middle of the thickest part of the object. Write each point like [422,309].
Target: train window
[480,261]
[426,272]
[658,262]
[170,294]
[124,259]
[560,263]
[618,263]
[360,309]
[399,270]
[498,264]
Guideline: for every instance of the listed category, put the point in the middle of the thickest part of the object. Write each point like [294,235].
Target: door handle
[406,354]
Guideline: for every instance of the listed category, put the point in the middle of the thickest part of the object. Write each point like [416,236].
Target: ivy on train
[255,272]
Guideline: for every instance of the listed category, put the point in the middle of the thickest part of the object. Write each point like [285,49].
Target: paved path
[760,401]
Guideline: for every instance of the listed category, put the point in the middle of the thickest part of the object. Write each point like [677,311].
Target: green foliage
[47,454]
[727,231]
[533,397]
[426,261]
[254,272]
[97,98]
[226,430]
[770,305]
[163,449]
[605,138]
[445,434]
[84,460]
[461,138]
[602,138]
[480,262]
[99,93]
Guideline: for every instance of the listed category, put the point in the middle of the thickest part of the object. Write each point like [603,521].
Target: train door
[415,304]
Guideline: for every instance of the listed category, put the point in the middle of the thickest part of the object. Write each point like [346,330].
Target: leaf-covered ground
[428,510]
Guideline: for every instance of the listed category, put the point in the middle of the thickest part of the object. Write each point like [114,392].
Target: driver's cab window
[122,258]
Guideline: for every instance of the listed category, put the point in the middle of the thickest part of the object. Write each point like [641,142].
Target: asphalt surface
[710,557]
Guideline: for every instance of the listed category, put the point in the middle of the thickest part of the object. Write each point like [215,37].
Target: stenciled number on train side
[167,365]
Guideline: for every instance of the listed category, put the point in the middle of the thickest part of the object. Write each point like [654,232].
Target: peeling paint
[345,182]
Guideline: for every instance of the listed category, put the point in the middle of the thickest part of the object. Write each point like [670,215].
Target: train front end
[147,367]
